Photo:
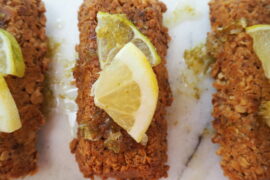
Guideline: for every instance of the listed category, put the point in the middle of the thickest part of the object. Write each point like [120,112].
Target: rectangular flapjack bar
[242,87]
[132,160]
[25,20]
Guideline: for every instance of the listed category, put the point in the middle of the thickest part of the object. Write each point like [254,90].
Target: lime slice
[11,58]
[261,44]
[114,31]
[127,90]
[9,115]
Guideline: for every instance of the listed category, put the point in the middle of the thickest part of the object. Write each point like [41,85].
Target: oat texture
[241,88]
[25,20]
[133,161]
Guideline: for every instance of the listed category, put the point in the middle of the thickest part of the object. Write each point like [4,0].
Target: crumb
[175,123]
[197,69]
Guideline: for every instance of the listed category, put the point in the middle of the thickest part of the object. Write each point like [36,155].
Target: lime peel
[114,31]
[11,63]
[11,55]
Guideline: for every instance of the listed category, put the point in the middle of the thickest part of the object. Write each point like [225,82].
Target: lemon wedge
[114,31]
[11,58]
[127,90]
[261,44]
[9,115]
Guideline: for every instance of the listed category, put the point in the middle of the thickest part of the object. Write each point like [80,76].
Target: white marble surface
[191,152]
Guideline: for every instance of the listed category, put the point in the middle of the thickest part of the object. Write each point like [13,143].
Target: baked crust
[241,88]
[134,161]
[26,21]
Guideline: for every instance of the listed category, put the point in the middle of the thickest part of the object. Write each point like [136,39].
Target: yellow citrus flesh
[261,44]
[127,90]
[9,115]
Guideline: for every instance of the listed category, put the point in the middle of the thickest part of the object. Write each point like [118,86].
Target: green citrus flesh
[114,31]
[11,58]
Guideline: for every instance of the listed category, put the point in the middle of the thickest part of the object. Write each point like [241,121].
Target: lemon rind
[254,28]
[147,81]
[150,84]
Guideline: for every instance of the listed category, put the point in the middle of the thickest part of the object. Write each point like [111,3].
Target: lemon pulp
[11,58]
[127,90]
[11,63]
[9,115]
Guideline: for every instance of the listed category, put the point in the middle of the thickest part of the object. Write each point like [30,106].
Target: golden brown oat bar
[26,21]
[241,88]
[132,160]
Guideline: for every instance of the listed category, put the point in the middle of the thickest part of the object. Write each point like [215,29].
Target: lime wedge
[127,90]
[11,58]
[9,115]
[114,31]
[261,44]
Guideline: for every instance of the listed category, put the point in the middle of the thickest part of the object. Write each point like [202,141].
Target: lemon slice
[11,58]
[127,90]
[261,44]
[9,115]
[114,31]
